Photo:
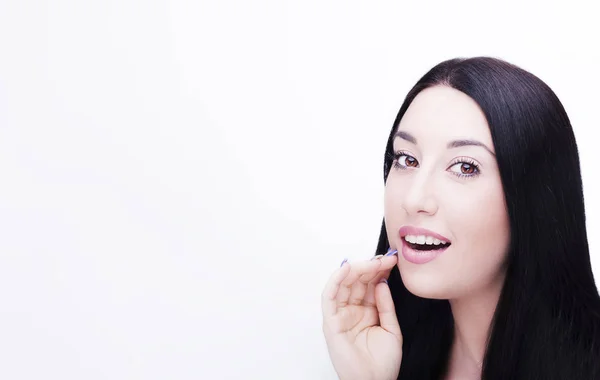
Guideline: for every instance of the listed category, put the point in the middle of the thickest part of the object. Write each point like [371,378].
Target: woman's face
[446,181]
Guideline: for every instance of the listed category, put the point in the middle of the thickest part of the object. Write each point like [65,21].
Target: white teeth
[422,239]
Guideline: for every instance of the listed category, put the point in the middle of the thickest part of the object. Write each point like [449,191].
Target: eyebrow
[452,144]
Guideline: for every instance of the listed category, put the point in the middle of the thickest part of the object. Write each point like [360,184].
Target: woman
[488,270]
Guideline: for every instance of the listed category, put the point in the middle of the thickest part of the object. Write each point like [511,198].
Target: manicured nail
[390,252]
[343,262]
[376,257]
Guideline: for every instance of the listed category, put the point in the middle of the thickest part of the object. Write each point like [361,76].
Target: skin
[423,189]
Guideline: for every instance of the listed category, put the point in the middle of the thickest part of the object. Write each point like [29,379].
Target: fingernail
[384,280]
[376,257]
[390,252]
[343,262]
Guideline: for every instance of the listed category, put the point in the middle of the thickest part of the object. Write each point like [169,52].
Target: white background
[179,178]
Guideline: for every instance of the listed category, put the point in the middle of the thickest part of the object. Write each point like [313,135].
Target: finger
[368,276]
[359,287]
[384,273]
[328,298]
[352,284]
[388,320]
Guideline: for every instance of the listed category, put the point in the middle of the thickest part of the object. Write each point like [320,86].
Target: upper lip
[412,230]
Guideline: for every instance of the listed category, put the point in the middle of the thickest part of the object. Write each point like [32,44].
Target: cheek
[479,217]
[479,223]
[393,210]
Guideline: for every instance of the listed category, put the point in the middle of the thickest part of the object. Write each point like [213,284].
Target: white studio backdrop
[180,178]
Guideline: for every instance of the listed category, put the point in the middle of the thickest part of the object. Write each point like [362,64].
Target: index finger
[328,297]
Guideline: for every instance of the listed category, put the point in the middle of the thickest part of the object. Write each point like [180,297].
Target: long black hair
[547,321]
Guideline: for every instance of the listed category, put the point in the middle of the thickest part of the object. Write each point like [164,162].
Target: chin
[432,294]
[426,285]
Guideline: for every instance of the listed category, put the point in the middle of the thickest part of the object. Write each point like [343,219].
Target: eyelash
[460,160]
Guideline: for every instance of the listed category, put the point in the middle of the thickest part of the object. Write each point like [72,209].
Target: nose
[420,196]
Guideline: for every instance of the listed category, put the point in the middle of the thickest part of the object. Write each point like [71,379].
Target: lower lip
[419,257]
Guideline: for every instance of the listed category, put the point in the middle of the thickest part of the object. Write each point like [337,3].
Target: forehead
[441,112]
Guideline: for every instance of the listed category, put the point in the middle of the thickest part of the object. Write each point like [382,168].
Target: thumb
[387,312]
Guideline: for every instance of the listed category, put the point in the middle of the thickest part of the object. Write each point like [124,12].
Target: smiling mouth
[425,246]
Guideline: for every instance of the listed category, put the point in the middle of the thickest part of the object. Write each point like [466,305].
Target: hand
[359,321]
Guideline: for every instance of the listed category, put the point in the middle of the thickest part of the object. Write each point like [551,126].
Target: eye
[464,167]
[402,160]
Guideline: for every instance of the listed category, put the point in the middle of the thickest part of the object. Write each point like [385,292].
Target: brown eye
[411,162]
[467,168]
[404,161]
